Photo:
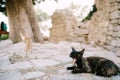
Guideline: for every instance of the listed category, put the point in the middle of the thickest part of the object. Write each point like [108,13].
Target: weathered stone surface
[101,29]
[63,22]
[115,15]
[17,65]
[118,0]
[44,62]
[116,28]
[63,59]
[118,42]
[81,31]
[118,53]
[118,21]
[4,62]
[119,34]
[12,75]
[109,37]
[118,5]
[114,43]
[32,75]
[115,34]
[112,1]
[114,21]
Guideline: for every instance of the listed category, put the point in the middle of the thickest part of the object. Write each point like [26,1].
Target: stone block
[115,15]
[63,59]
[114,21]
[81,31]
[12,75]
[110,32]
[112,1]
[109,38]
[114,43]
[119,21]
[118,42]
[17,65]
[118,33]
[118,0]
[4,62]
[105,23]
[113,8]
[108,42]
[110,28]
[44,62]
[115,34]
[116,28]
[118,53]
[80,38]
[31,75]
[119,6]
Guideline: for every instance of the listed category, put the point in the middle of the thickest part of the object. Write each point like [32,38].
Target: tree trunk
[22,17]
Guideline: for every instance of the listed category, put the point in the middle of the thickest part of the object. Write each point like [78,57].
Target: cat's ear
[82,51]
[73,50]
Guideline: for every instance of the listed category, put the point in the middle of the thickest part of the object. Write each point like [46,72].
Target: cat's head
[76,55]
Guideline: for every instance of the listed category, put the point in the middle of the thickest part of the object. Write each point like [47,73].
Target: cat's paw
[70,68]
[76,71]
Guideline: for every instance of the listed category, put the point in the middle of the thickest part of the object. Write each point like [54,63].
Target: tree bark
[22,17]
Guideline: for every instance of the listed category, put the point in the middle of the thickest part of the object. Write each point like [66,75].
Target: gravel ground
[47,61]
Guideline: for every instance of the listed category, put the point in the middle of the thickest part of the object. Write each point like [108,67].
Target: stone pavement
[46,62]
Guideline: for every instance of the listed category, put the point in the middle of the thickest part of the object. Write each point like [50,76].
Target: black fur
[96,65]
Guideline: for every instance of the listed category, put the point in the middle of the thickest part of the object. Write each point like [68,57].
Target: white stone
[116,28]
[119,21]
[105,23]
[109,37]
[118,5]
[12,75]
[115,15]
[112,1]
[118,43]
[30,75]
[81,31]
[110,28]
[63,59]
[4,62]
[118,33]
[118,0]
[115,34]
[109,32]
[17,65]
[114,43]
[118,52]
[44,62]
[114,21]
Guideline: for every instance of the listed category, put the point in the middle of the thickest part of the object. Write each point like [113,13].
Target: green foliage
[88,17]
[4,36]
[42,16]
[3,4]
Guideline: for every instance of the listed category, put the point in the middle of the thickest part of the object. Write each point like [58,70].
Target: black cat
[96,65]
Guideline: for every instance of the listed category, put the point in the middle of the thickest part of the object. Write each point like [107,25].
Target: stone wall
[115,22]
[100,23]
[103,29]
[63,22]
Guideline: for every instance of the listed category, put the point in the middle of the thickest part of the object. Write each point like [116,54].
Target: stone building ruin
[103,29]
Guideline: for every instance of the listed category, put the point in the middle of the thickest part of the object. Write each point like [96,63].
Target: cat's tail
[119,72]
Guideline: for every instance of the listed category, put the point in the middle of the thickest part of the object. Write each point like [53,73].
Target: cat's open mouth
[74,60]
